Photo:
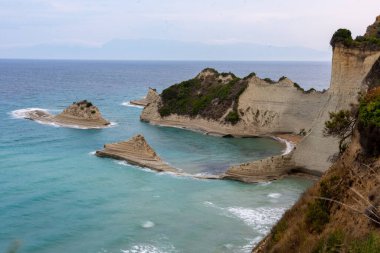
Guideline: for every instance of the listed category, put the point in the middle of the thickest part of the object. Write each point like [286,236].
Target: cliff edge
[223,104]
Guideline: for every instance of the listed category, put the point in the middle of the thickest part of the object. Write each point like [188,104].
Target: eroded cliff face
[268,108]
[350,69]
[264,108]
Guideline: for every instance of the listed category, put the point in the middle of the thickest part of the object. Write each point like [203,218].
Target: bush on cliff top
[205,97]
[344,37]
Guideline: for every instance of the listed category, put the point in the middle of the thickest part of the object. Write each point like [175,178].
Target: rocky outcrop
[135,151]
[82,114]
[263,170]
[267,108]
[147,99]
[374,29]
[264,108]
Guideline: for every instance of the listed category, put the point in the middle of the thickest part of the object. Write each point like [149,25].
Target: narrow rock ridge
[146,100]
[82,114]
[136,151]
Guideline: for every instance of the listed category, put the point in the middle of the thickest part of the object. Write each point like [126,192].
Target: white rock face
[267,109]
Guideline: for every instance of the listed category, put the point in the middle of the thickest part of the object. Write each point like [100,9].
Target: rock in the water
[135,151]
[82,114]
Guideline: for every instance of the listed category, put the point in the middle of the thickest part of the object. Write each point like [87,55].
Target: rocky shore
[82,114]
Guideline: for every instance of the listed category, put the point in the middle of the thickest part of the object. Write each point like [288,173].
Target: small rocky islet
[82,114]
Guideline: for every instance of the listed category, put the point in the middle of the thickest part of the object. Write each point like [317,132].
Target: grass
[370,244]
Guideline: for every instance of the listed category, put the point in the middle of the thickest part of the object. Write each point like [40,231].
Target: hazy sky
[95,22]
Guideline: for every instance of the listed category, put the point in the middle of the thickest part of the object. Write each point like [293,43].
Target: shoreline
[290,141]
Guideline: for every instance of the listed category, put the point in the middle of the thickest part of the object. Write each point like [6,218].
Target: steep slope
[340,213]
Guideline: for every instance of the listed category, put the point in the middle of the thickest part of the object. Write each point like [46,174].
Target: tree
[341,125]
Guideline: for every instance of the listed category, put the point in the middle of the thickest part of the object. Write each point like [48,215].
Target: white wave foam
[128,104]
[264,183]
[148,224]
[23,113]
[124,163]
[148,248]
[274,195]
[289,146]
[91,153]
[261,218]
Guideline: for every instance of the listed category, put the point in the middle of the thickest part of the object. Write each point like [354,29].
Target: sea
[56,196]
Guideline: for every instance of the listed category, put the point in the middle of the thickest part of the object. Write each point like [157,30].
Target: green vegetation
[369,122]
[278,230]
[269,80]
[204,96]
[370,244]
[282,78]
[317,215]
[318,211]
[369,109]
[337,242]
[93,112]
[344,37]
[232,117]
[341,125]
[252,74]
[303,90]
[333,244]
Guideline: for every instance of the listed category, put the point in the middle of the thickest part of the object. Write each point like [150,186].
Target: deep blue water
[55,196]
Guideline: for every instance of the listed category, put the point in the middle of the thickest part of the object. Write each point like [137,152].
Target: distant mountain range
[152,49]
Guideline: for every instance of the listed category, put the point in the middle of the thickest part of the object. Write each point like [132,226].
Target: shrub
[282,78]
[93,112]
[82,108]
[232,117]
[298,87]
[278,230]
[268,80]
[333,243]
[369,122]
[252,74]
[341,125]
[205,97]
[342,36]
[370,244]
[317,215]
[369,108]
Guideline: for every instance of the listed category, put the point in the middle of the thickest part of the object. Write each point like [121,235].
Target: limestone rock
[135,151]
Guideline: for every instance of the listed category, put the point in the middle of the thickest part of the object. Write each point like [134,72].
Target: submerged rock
[135,151]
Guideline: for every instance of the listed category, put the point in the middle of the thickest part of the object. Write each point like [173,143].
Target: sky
[94,23]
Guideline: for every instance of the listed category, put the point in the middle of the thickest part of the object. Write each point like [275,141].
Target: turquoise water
[56,196]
